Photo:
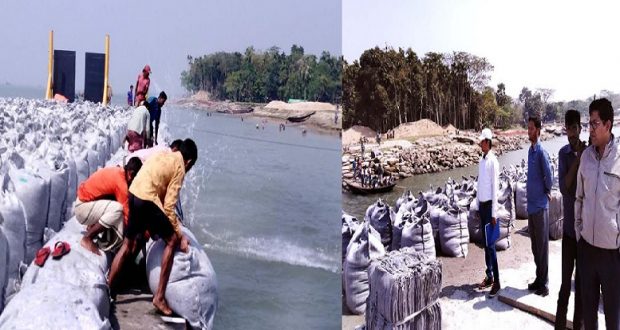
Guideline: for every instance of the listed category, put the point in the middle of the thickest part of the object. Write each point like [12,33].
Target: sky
[158,33]
[568,46]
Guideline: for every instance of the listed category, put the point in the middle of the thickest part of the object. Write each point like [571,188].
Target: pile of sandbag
[4,265]
[521,200]
[68,293]
[405,198]
[556,208]
[349,226]
[379,217]
[434,214]
[415,230]
[34,192]
[504,242]
[404,292]
[453,232]
[364,247]
[474,223]
[48,148]
[13,225]
[60,306]
[556,215]
[192,287]
[505,216]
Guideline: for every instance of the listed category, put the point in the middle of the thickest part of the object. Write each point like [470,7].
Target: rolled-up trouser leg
[109,214]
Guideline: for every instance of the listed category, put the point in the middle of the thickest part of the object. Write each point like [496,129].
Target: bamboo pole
[50,67]
[106,71]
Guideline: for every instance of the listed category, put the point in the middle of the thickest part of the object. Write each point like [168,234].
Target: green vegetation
[388,87]
[263,77]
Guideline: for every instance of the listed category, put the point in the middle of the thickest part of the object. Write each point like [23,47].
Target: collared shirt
[159,181]
[106,183]
[538,179]
[139,121]
[597,201]
[488,180]
[566,158]
[154,109]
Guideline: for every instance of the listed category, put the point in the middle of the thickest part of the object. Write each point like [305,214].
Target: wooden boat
[298,119]
[235,111]
[357,188]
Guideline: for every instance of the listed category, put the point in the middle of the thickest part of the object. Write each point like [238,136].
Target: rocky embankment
[430,154]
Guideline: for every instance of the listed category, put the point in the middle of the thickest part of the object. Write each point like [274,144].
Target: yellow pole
[106,71]
[50,67]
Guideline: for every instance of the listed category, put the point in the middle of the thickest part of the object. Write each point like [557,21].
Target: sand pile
[423,127]
[301,106]
[201,96]
[450,129]
[353,134]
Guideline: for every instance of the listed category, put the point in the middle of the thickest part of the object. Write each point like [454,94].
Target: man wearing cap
[142,85]
[488,186]
[538,196]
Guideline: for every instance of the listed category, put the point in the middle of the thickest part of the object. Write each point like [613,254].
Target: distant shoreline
[320,122]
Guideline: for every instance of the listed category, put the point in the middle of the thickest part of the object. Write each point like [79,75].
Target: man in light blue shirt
[597,219]
[538,195]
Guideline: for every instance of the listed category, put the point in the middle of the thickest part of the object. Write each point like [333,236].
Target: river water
[356,205]
[265,205]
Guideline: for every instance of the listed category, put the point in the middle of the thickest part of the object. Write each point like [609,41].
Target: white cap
[486,134]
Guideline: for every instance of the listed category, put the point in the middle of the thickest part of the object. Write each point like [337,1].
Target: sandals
[41,256]
[60,249]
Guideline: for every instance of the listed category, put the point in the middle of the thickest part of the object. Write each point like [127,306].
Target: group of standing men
[589,180]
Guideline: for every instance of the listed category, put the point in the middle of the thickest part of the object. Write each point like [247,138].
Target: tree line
[256,76]
[388,87]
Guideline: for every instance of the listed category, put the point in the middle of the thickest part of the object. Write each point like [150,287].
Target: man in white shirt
[488,186]
[138,129]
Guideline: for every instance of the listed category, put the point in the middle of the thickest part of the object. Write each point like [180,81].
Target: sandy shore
[321,121]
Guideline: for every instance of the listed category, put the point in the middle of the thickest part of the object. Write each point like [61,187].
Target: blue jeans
[490,255]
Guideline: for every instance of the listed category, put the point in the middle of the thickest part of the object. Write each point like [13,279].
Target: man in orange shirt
[103,205]
[152,199]
[142,85]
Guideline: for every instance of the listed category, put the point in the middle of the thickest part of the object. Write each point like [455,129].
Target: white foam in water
[276,250]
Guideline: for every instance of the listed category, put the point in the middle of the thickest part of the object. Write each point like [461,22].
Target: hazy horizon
[162,37]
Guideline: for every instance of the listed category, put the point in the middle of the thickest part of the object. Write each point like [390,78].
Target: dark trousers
[599,271]
[538,228]
[490,255]
[569,263]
